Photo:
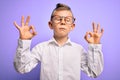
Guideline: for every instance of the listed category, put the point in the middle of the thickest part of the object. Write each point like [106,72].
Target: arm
[25,60]
[92,62]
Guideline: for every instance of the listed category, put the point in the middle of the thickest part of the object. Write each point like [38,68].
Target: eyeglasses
[67,19]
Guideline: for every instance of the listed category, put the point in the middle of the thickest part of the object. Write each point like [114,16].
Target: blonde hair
[59,7]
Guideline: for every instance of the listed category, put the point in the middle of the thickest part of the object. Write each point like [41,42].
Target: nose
[62,21]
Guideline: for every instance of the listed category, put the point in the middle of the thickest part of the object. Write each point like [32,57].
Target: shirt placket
[60,63]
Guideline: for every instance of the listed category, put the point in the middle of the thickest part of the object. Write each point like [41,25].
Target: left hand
[95,36]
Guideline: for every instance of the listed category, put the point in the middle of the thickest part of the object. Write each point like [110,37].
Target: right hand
[26,32]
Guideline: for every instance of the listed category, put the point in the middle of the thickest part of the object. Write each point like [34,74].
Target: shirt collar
[53,41]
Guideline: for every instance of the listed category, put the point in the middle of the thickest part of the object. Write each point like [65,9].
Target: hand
[95,36]
[26,32]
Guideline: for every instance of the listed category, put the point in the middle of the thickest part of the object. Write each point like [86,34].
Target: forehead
[63,13]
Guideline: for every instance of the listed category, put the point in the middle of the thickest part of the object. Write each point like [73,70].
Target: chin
[63,35]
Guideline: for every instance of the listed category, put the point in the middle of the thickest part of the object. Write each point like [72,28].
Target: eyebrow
[62,16]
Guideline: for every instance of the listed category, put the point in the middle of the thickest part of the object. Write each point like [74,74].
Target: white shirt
[59,62]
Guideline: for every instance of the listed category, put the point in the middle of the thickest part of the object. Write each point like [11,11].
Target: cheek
[55,28]
[70,28]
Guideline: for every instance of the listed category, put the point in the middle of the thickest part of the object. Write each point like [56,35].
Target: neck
[61,40]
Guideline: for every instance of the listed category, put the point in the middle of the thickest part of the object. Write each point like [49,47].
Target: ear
[50,25]
[72,26]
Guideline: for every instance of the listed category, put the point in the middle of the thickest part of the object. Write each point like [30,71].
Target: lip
[62,28]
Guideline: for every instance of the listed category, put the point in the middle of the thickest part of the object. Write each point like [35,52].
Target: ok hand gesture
[95,36]
[26,32]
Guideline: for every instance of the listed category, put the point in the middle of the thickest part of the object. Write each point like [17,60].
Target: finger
[94,27]
[16,25]
[22,21]
[27,20]
[102,31]
[33,30]
[98,28]
[90,33]
[86,35]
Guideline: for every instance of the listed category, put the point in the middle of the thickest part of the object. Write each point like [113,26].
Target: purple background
[105,12]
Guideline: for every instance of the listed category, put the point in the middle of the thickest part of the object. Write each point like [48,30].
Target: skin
[26,32]
[60,30]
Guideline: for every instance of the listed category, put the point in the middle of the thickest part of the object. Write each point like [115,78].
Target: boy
[60,58]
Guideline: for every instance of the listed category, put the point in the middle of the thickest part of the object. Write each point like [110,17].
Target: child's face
[62,23]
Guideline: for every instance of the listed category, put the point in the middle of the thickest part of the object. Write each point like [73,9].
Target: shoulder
[76,45]
[42,44]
